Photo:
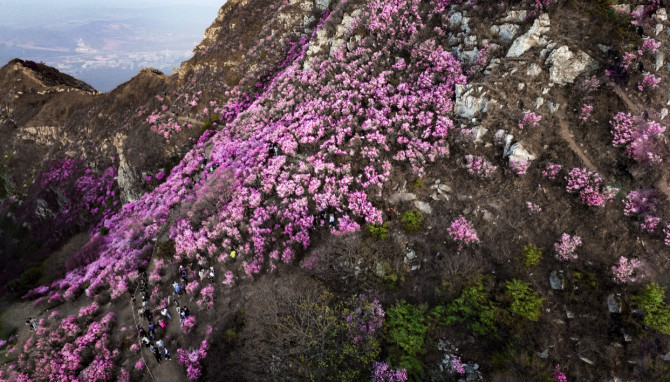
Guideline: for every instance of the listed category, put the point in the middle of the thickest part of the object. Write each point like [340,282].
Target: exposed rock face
[566,66]
[468,104]
[531,38]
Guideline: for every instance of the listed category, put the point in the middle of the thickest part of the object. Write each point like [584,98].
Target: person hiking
[146,341]
[165,313]
[183,277]
[185,310]
[182,316]
[152,331]
[211,275]
[177,288]
[160,344]
[166,354]
[161,323]
[233,254]
[201,274]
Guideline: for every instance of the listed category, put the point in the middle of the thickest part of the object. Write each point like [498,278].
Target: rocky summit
[349,190]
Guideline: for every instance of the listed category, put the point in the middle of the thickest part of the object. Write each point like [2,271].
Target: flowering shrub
[649,81]
[462,232]
[457,365]
[558,375]
[637,202]
[586,112]
[519,166]
[382,372]
[565,249]
[479,166]
[191,360]
[188,324]
[649,46]
[589,186]
[139,365]
[666,231]
[623,271]
[552,170]
[529,120]
[642,139]
[533,208]
[650,223]
[207,300]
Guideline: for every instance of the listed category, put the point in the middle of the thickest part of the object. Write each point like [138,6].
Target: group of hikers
[197,177]
[157,348]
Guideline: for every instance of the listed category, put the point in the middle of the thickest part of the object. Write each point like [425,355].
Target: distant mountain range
[101,45]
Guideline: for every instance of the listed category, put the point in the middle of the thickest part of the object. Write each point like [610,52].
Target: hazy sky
[104,42]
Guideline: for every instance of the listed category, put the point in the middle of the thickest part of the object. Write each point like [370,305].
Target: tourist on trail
[211,275]
[233,255]
[145,341]
[157,354]
[166,354]
[177,288]
[161,323]
[160,344]
[201,274]
[183,277]
[185,310]
[165,313]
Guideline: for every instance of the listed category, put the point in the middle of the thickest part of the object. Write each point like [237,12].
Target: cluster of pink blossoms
[529,120]
[462,232]
[479,166]
[589,186]
[623,271]
[565,249]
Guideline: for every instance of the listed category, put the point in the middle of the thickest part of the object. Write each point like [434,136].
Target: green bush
[525,301]
[531,255]
[473,308]
[406,328]
[207,125]
[28,280]
[418,183]
[104,231]
[412,220]
[378,231]
[656,311]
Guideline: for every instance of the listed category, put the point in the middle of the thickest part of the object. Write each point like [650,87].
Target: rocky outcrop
[566,66]
[531,38]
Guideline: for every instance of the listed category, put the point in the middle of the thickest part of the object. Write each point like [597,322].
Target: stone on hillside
[505,31]
[666,357]
[515,16]
[401,196]
[467,104]
[556,281]
[614,303]
[660,60]
[553,106]
[322,4]
[518,152]
[544,354]
[531,38]
[584,359]
[423,207]
[534,70]
[455,19]
[566,66]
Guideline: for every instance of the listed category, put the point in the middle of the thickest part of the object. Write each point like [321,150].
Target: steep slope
[385,190]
